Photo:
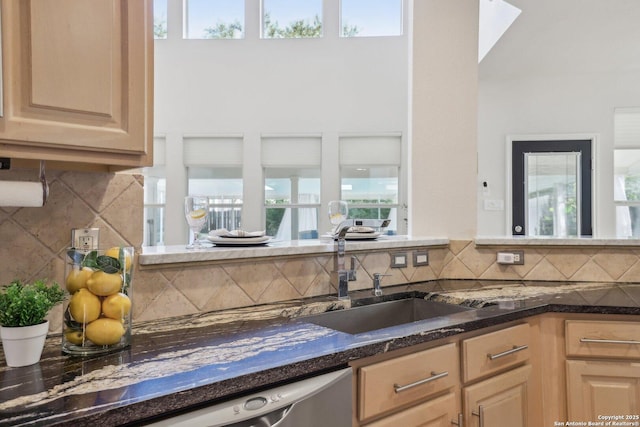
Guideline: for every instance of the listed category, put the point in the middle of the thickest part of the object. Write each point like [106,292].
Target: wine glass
[338,211]
[196,210]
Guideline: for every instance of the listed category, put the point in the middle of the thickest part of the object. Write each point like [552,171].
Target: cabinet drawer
[393,383]
[435,412]
[603,338]
[489,353]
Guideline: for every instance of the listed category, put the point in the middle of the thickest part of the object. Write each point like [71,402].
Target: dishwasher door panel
[324,400]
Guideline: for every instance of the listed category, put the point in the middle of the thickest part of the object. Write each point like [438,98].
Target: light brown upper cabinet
[77,81]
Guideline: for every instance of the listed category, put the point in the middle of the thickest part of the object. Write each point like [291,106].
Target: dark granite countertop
[185,362]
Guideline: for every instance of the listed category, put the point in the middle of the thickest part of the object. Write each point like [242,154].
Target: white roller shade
[370,150]
[280,151]
[626,127]
[212,151]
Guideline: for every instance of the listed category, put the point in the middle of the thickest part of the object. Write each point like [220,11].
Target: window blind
[283,151]
[626,127]
[212,151]
[370,150]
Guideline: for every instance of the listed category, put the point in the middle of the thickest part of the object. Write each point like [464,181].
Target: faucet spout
[344,275]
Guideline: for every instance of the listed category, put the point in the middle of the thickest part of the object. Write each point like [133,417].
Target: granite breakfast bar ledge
[158,255]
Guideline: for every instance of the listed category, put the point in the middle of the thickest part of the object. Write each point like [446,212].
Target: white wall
[561,69]
[444,118]
[328,86]
[582,104]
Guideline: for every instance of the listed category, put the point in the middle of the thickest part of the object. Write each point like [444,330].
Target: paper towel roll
[22,194]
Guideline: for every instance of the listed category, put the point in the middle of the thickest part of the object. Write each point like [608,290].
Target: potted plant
[23,327]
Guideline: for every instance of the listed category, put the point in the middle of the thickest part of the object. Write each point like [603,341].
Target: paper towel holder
[43,180]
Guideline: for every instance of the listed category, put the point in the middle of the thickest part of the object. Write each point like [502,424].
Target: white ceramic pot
[23,344]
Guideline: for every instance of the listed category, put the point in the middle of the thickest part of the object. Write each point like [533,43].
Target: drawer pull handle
[480,415]
[515,349]
[594,340]
[433,377]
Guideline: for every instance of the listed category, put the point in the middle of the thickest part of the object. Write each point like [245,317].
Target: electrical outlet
[399,260]
[420,258]
[512,257]
[85,239]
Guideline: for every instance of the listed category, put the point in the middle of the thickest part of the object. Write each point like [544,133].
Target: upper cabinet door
[78,81]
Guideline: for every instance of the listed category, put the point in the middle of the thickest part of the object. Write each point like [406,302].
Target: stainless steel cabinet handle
[515,349]
[480,415]
[433,377]
[595,340]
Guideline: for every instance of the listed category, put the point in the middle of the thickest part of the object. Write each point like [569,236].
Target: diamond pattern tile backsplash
[33,243]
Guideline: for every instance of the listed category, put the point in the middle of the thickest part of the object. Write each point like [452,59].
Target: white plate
[357,236]
[362,236]
[239,241]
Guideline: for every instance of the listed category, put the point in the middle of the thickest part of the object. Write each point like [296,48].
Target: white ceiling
[567,36]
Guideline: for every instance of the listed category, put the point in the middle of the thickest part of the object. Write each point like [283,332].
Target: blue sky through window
[287,11]
[373,17]
[207,13]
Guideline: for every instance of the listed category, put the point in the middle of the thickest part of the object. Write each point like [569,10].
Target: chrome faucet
[377,281]
[344,275]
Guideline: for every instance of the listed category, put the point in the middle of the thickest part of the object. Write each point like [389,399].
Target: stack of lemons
[97,303]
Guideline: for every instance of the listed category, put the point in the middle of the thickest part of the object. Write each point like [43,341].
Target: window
[214,19]
[626,163]
[155,197]
[223,185]
[292,200]
[551,191]
[366,18]
[291,19]
[369,177]
[214,169]
[160,19]
[291,167]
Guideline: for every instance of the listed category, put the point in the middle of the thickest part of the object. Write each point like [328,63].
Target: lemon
[77,278]
[116,306]
[103,284]
[74,337]
[198,213]
[115,253]
[105,331]
[84,306]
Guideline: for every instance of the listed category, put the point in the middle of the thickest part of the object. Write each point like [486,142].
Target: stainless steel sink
[383,315]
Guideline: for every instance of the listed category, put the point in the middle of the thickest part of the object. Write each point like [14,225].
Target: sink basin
[383,315]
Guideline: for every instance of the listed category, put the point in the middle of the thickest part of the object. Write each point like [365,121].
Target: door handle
[480,415]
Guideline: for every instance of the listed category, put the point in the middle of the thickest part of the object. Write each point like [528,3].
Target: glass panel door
[551,189]
[552,194]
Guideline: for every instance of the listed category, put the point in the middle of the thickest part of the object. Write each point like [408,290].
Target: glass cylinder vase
[97,314]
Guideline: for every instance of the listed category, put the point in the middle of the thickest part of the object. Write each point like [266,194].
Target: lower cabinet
[499,401]
[425,388]
[587,365]
[596,388]
[603,369]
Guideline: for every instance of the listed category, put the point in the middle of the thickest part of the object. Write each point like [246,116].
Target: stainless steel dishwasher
[324,400]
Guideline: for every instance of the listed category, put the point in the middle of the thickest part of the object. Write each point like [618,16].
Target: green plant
[28,304]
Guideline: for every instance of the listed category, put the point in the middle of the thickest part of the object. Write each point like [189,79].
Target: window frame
[550,143]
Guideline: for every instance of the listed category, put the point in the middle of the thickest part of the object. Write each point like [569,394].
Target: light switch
[399,260]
